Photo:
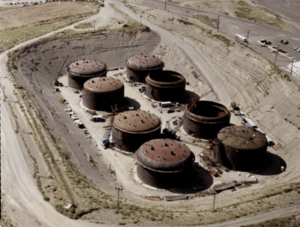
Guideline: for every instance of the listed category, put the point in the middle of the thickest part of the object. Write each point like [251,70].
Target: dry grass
[19,25]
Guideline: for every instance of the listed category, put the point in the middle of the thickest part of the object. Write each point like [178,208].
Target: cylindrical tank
[133,128]
[83,70]
[140,65]
[165,86]
[206,119]
[164,163]
[241,148]
[102,93]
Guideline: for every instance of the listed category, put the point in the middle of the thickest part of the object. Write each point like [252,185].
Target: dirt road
[19,188]
[194,57]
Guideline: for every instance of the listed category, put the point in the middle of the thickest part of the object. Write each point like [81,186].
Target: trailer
[241,38]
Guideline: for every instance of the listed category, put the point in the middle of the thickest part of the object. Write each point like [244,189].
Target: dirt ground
[40,13]
[268,97]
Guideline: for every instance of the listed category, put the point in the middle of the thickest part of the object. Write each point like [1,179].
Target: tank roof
[136,121]
[208,111]
[86,67]
[144,62]
[102,84]
[165,78]
[242,137]
[164,155]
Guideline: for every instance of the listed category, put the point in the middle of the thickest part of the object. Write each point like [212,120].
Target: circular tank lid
[86,67]
[136,121]
[164,155]
[165,78]
[144,62]
[102,84]
[242,137]
[207,111]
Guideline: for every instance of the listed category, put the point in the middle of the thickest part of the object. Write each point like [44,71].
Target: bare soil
[266,95]
[25,16]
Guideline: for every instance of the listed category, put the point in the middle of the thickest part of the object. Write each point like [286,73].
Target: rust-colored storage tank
[140,65]
[102,93]
[83,70]
[241,148]
[164,163]
[165,86]
[133,128]
[206,119]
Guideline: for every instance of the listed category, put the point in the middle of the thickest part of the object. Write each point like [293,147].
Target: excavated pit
[36,67]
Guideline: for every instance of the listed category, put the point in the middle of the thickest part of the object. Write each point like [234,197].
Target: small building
[165,86]
[295,67]
[240,148]
[83,70]
[140,65]
[102,93]
[133,128]
[164,163]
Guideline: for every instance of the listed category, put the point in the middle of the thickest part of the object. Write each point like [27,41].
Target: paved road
[232,25]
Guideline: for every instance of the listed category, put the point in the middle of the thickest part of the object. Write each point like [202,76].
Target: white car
[298,50]
[295,48]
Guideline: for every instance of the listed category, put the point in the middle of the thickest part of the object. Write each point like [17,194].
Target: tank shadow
[199,180]
[128,104]
[189,97]
[273,165]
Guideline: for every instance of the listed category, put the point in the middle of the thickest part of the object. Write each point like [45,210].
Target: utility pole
[214,202]
[165,4]
[94,24]
[276,55]
[248,34]
[187,14]
[292,66]
[218,23]
[118,189]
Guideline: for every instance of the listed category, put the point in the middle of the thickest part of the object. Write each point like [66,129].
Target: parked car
[284,41]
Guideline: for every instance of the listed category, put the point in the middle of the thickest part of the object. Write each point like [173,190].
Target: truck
[241,38]
[248,122]
[98,118]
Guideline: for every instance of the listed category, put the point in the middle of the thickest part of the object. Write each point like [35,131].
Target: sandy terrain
[265,97]
[42,13]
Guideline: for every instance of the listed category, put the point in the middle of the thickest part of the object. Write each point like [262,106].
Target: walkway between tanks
[194,57]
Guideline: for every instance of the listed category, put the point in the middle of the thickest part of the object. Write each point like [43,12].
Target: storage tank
[241,148]
[140,65]
[165,86]
[133,128]
[164,163]
[83,70]
[206,119]
[102,93]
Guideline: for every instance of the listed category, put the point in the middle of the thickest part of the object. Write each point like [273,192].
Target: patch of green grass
[184,22]
[259,15]
[14,36]
[206,19]
[224,40]
[84,25]
[277,222]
